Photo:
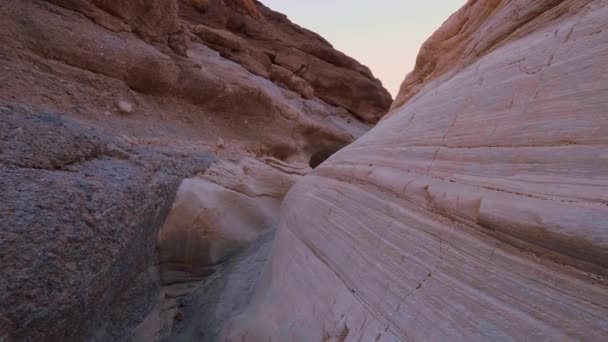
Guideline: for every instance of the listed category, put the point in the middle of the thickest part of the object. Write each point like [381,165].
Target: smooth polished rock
[477,210]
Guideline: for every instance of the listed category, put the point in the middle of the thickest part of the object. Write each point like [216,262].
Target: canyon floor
[207,170]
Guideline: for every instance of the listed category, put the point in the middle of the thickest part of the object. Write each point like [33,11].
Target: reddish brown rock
[231,91]
[335,78]
[292,81]
[152,20]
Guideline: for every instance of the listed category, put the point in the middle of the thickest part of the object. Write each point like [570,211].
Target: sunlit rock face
[477,210]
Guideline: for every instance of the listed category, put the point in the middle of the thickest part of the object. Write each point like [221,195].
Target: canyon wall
[476,210]
[143,144]
[233,69]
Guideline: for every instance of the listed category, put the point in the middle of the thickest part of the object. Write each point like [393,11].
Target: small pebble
[124,107]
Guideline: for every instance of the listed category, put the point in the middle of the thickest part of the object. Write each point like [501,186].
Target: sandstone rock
[290,80]
[89,46]
[149,19]
[334,85]
[475,211]
[232,92]
[84,194]
[213,246]
[200,5]
[266,36]
[219,37]
[179,42]
[476,29]
[234,48]
[221,213]
[221,86]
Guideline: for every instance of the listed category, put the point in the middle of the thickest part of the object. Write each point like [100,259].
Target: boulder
[216,215]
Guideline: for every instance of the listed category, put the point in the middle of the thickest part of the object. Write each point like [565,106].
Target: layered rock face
[268,44]
[221,212]
[234,65]
[477,210]
[111,116]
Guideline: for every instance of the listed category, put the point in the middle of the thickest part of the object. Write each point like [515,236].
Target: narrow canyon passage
[180,170]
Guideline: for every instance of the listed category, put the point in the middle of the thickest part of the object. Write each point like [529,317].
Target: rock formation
[267,43]
[147,148]
[79,215]
[476,210]
[111,110]
[221,212]
[169,59]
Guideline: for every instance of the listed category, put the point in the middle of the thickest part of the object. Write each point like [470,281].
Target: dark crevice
[323,154]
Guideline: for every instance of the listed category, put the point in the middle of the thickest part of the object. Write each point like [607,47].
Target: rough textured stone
[151,19]
[43,29]
[84,193]
[292,81]
[79,211]
[83,64]
[476,211]
[265,37]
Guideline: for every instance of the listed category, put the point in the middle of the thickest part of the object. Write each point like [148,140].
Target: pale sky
[385,35]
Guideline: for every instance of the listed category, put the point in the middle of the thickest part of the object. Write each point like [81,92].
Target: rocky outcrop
[151,20]
[262,40]
[213,246]
[476,211]
[475,30]
[220,213]
[106,107]
[94,47]
[79,216]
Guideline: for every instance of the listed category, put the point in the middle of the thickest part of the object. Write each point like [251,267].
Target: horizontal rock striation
[231,60]
[477,210]
[106,107]
[262,40]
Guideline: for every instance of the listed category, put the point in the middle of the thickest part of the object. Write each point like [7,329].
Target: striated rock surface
[263,40]
[106,107]
[175,61]
[476,211]
[213,246]
[221,212]
[475,30]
